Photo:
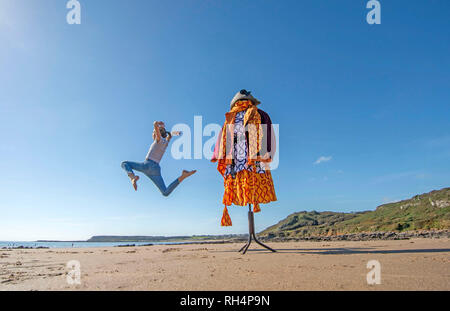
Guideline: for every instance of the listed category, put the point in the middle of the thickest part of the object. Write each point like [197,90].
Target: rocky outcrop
[363,236]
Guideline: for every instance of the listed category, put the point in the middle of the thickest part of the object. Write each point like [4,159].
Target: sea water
[15,244]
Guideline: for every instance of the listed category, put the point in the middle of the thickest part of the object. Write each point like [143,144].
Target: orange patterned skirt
[245,188]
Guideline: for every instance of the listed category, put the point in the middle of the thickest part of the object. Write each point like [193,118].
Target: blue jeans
[153,171]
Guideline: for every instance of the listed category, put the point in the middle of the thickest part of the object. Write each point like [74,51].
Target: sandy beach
[418,264]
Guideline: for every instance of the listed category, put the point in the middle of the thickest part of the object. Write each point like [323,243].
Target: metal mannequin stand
[251,232]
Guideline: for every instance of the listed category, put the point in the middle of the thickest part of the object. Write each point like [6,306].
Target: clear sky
[363,109]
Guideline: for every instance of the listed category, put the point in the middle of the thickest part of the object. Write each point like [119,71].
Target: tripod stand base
[246,246]
[251,233]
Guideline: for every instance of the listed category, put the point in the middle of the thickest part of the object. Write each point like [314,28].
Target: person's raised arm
[172,134]
[156,125]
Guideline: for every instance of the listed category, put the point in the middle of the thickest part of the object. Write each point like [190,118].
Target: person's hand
[177,133]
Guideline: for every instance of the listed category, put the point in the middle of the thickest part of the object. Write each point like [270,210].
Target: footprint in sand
[7,281]
[170,250]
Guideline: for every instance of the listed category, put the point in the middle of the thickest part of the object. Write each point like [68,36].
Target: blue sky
[76,100]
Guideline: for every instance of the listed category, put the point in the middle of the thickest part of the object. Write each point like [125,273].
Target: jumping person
[150,166]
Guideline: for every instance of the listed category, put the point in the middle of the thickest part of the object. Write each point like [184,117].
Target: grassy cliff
[421,212]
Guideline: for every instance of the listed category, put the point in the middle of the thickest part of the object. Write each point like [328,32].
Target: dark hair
[164,133]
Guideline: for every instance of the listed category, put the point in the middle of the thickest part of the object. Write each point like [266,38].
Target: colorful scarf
[252,120]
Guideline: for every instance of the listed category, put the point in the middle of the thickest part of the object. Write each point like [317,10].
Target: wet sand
[417,264]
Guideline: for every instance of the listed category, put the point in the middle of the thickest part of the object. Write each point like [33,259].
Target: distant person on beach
[150,166]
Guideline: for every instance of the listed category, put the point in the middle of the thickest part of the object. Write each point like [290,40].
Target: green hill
[422,212]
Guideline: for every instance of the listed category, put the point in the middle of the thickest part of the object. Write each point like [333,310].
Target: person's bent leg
[129,166]
[159,182]
[171,187]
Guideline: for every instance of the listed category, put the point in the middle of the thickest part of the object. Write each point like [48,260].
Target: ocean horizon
[76,244]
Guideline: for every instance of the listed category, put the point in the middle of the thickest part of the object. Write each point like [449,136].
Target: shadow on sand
[344,251]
